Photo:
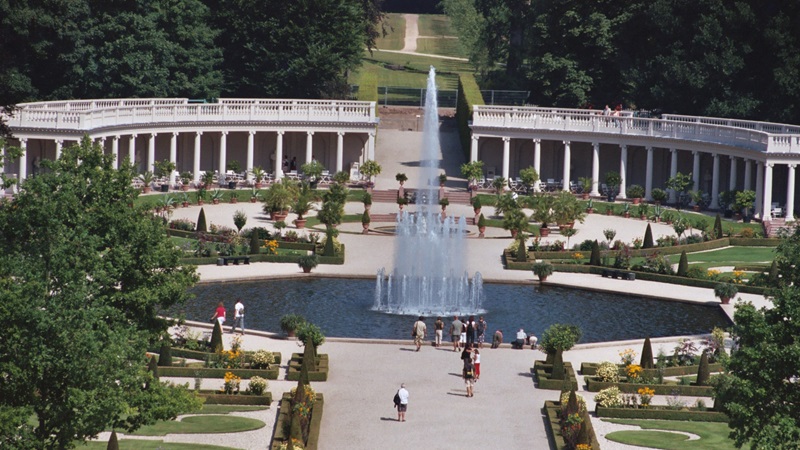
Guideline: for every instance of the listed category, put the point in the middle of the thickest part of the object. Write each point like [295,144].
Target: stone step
[772,228]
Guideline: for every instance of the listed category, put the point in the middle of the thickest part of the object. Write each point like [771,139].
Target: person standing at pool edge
[455,332]
[419,332]
[439,327]
[238,316]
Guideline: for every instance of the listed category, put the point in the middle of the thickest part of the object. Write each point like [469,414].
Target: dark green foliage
[583,435]
[773,272]
[296,430]
[647,355]
[152,366]
[560,337]
[216,338]
[594,258]
[201,221]
[703,374]
[558,366]
[718,227]
[307,330]
[522,252]
[309,356]
[165,355]
[683,265]
[469,95]
[648,238]
[476,203]
[112,441]
[255,243]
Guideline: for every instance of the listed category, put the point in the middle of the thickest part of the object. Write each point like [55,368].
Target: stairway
[773,227]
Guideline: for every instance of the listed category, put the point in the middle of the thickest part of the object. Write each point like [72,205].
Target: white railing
[86,115]
[758,136]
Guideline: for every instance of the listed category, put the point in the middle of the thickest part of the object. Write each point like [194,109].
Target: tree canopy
[83,275]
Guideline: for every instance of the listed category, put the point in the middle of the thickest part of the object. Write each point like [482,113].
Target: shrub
[291,322]
[659,195]
[696,272]
[261,359]
[255,243]
[308,261]
[165,355]
[182,224]
[216,338]
[725,290]
[543,269]
[702,371]
[683,264]
[559,337]
[308,330]
[647,355]
[717,227]
[201,221]
[239,219]
[594,258]
[476,203]
[608,372]
[581,402]
[585,246]
[635,191]
[609,397]
[747,233]
[257,386]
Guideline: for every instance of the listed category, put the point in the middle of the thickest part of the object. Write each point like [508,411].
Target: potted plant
[207,179]
[567,209]
[254,195]
[613,181]
[481,225]
[308,262]
[147,181]
[515,221]
[401,178]
[277,199]
[258,176]
[201,195]
[401,201]
[443,202]
[367,200]
[499,184]
[291,322]
[186,180]
[659,195]
[234,198]
[312,172]
[370,169]
[626,210]
[442,179]
[216,196]
[590,206]
[636,192]
[725,291]
[644,211]
[744,201]
[164,169]
[542,269]
[529,177]
[587,183]
[365,221]
[472,171]
[476,205]
[341,177]
[184,199]
[302,205]
[542,212]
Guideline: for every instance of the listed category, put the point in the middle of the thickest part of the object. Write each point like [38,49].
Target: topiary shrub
[683,265]
[718,227]
[558,366]
[255,243]
[216,338]
[113,444]
[648,237]
[647,355]
[307,331]
[201,222]
[165,355]
[594,258]
[309,356]
[703,373]
[152,367]
[608,372]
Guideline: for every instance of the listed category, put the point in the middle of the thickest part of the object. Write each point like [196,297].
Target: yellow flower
[633,371]
[577,255]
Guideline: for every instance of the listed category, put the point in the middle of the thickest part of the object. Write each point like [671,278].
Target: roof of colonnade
[122,116]
[749,139]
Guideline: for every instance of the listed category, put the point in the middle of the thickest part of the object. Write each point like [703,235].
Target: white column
[623,166]
[339,151]
[151,152]
[767,213]
[250,145]
[223,156]
[23,159]
[748,176]
[115,150]
[715,183]
[473,149]
[310,145]
[506,158]
[595,168]
[790,193]
[673,171]
[59,146]
[648,177]
[279,156]
[371,146]
[732,176]
[132,151]
[695,171]
[567,162]
[537,162]
[759,187]
[196,161]
[173,149]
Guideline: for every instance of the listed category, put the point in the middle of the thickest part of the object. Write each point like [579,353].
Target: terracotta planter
[259,184]
[401,206]
[365,228]
[544,231]
[367,207]
[627,215]
[514,234]
[185,187]
[696,208]
[477,211]
[215,201]
[290,333]
[200,202]
[300,223]
[636,201]
[589,210]
[643,217]
[542,278]
[145,190]
[234,200]
[253,200]
[277,217]
[185,204]
[608,213]
[725,300]
[481,230]
[306,269]
[585,196]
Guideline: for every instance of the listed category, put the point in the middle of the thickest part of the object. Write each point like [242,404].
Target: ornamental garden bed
[590,369]
[321,374]
[200,355]
[207,372]
[553,425]
[281,434]
[218,398]
[662,412]
[594,385]
[542,373]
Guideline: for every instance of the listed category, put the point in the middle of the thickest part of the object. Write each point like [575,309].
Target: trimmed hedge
[321,374]
[661,412]
[755,242]
[469,95]
[552,411]
[542,372]
[593,385]
[181,233]
[285,417]
[215,398]
[204,372]
[201,355]
[337,260]
[590,369]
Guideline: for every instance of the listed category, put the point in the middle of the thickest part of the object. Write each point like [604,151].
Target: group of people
[467,332]
[238,316]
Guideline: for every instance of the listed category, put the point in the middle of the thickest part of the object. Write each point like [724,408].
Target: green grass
[395,33]
[225,409]
[435,25]
[713,436]
[139,444]
[402,78]
[734,255]
[437,46]
[201,424]
[421,63]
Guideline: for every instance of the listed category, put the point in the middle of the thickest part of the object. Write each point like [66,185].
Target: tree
[680,183]
[82,278]
[559,337]
[718,227]
[703,373]
[759,391]
[594,258]
[683,265]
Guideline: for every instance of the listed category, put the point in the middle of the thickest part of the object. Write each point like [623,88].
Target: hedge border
[551,410]
[335,260]
[660,412]
[284,414]
[542,370]
[469,95]
[323,364]
[178,352]
[240,399]
[592,385]
[590,369]
[206,372]
[755,242]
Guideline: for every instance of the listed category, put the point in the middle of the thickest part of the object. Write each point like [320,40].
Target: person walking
[482,327]
[469,376]
[238,316]
[476,361]
[439,328]
[419,332]
[455,333]
[402,407]
[219,315]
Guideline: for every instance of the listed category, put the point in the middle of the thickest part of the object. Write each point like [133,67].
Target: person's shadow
[389,419]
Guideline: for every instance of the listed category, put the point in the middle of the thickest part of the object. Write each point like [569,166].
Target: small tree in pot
[370,169]
[613,181]
[636,192]
[725,291]
[529,177]
[481,225]
[308,262]
[291,322]
[543,269]
[365,221]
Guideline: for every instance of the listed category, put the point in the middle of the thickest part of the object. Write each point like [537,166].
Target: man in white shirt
[521,337]
[403,406]
[238,316]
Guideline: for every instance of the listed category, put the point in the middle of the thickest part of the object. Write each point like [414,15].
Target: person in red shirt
[219,314]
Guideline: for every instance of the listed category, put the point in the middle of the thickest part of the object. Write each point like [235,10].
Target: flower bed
[206,372]
[284,418]
[217,398]
[594,385]
[542,372]
[590,369]
[552,411]
[321,374]
[662,412]
[178,352]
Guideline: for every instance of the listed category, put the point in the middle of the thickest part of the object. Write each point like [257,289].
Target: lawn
[201,424]
[713,436]
[225,409]
[395,26]
[139,444]
[434,25]
[415,78]
[732,256]
[440,46]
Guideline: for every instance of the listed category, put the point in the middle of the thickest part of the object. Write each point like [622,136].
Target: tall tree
[82,278]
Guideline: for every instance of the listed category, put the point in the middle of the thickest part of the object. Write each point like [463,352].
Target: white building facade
[565,144]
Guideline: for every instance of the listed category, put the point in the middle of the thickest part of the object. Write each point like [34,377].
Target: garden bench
[224,260]
[623,274]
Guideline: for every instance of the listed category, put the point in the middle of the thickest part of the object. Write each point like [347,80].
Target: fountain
[429,276]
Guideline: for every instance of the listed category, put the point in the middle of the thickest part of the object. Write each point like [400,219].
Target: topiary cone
[683,265]
[647,355]
[152,366]
[648,238]
[255,243]
[558,366]
[703,371]
[112,441]
[594,258]
[165,355]
[201,221]
[216,338]
[583,434]
[718,227]
[522,254]
[309,358]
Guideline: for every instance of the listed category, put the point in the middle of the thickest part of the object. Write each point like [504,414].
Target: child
[477,363]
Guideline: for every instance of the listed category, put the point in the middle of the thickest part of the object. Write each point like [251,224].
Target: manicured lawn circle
[140,444]
[646,438]
[713,436]
[205,424]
